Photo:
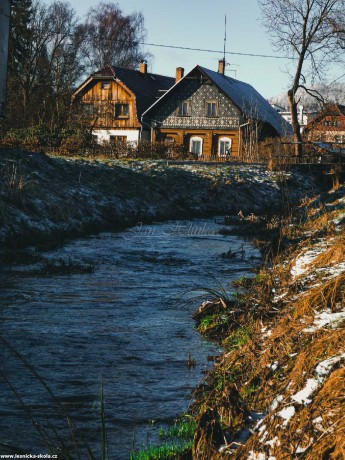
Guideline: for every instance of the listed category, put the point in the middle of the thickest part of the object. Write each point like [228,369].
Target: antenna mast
[224,38]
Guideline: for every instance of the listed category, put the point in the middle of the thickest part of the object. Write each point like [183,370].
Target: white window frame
[196,139]
[224,139]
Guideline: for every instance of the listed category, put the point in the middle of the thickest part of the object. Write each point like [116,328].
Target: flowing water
[125,321]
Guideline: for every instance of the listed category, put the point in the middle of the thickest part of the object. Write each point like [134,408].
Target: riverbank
[277,391]
[45,200]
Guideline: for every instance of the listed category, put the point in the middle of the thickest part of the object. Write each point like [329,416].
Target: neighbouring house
[328,125]
[212,115]
[302,115]
[112,100]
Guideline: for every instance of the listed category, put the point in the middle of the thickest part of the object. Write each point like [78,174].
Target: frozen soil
[44,200]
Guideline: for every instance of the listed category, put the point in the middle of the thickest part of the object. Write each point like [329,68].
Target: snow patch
[273,442]
[256,456]
[304,260]
[325,318]
[274,366]
[325,367]
[275,402]
[286,414]
[321,371]
[303,396]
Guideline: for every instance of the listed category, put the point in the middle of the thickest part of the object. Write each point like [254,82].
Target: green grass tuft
[183,429]
[165,452]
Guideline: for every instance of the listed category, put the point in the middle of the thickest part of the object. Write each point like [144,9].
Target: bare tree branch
[309,30]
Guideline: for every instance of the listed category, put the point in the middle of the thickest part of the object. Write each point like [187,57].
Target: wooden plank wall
[106,99]
[210,139]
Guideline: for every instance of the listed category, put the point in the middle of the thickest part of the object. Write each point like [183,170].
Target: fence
[273,152]
[283,153]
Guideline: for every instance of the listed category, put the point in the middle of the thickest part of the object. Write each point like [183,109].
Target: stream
[127,321]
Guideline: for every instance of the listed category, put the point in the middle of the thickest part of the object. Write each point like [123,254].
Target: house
[302,116]
[113,99]
[211,114]
[328,125]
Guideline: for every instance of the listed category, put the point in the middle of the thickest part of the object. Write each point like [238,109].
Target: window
[183,109]
[105,85]
[224,146]
[121,110]
[211,108]
[195,145]
[118,139]
[88,109]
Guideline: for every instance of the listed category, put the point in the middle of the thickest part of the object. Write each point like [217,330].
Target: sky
[200,24]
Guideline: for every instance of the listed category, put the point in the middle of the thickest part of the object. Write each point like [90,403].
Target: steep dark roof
[251,103]
[246,98]
[145,86]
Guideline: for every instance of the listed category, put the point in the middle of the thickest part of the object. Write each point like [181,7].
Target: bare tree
[112,38]
[64,55]
[45,64]
[307,31]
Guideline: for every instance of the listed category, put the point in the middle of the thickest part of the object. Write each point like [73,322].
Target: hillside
[331,94]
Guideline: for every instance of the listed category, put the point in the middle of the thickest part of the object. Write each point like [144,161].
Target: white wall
[104,134]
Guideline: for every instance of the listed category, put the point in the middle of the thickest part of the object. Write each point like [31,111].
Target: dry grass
[333,255]
[281,353]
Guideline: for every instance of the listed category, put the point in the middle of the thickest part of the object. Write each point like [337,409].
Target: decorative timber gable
[212,115]
[196,93]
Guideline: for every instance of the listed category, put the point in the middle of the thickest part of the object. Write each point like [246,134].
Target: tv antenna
[227,64]
[224,38]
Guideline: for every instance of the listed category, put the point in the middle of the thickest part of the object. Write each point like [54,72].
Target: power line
[203,50]
[210,51]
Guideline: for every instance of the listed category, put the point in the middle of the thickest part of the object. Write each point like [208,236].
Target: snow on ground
[326,318]
[303,261]
[322,370]
[275,402]
[303,396]
[256,456]
[287,413]
[325,367]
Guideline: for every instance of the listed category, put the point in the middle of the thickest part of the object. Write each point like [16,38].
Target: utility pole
[5,11]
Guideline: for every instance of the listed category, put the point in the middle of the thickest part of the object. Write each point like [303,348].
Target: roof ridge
[138,71]
[226,76]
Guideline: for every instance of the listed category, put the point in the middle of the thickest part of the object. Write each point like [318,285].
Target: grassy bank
[44,200]
[277,391]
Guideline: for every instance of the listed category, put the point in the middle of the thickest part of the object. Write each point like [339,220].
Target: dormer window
[121,110]
[183,109]
[212,108]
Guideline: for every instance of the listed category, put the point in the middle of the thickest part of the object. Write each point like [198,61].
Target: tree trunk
[297,137]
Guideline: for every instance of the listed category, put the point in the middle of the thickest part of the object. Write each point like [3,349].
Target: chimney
[221,66]
[143,67]
[179,73]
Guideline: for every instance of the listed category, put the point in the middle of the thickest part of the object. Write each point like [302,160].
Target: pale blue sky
[200,24]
